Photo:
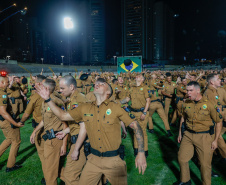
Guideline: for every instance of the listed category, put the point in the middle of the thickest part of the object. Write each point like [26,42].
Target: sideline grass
[163,168]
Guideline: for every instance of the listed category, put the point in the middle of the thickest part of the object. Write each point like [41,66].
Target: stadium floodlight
[68,23]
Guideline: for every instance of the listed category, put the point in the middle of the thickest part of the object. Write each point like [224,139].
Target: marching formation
[85,117]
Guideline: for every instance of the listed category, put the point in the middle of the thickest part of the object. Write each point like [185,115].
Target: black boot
[151,131]
[214,174]
[182,183]
[135,151]
[169,134]
[16,167]
[43,181]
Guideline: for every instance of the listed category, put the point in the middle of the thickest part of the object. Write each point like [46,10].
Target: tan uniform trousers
[12,138]
[202,144]
[114,169]
[39,143]
[220,142]
[178,112]
[167,106]
[157,106]
[17,108]
[73,169]
[51,160]
[143,125]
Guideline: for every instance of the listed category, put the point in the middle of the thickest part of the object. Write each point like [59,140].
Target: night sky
[199,28]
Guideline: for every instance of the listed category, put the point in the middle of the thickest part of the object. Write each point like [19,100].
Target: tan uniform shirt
[124,92]
[76,99]
[200,116]
[51,121]
[216,96]
[138,96]
[102,123]
[181,91]
[35,106]
[169,88]
[14,91]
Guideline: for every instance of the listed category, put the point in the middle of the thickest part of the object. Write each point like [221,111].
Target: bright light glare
[68,24]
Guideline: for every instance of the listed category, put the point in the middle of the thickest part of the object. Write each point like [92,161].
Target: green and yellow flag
[135,65]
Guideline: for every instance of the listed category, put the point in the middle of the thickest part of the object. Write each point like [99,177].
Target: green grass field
[163,168]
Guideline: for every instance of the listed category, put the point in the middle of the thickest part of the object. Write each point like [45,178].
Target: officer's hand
[179,137]
[214,145]
[60,135]
[32,138]
[74,155]
[141,162]
[63,150]
[25,98]
[124,134]
[42,91]
[142,117]
[20,124]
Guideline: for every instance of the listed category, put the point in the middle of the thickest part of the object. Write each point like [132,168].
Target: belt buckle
[101,154]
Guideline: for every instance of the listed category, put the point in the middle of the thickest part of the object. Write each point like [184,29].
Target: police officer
[34,107]
[73,168]
[180,96]
[198,116]
[140,102]
[15,97]
[217,96]
[101,119]
[10,128]
[53,147]
[156,105]
[168,92]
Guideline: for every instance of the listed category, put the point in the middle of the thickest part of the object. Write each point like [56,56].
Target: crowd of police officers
[82,116]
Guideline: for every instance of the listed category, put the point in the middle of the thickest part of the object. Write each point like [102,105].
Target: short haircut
[102,80]
[40,78]
[210,77]
[196,84]
[69,80]
[114,80]
[50,83]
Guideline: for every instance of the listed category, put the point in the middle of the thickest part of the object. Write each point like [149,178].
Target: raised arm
[44,93]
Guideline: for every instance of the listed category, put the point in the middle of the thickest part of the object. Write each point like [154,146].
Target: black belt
[158,100]
[223,106]
[180,98]
[136,110]
[104,154]
[193,132]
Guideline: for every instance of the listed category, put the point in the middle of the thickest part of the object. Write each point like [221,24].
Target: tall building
[163,33]
[92,31]
[147,30]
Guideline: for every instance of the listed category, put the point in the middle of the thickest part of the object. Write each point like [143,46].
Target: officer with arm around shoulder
[101,120]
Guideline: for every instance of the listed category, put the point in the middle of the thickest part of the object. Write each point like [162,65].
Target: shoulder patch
[75,105]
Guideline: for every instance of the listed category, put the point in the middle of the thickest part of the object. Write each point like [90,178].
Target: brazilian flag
[134,66]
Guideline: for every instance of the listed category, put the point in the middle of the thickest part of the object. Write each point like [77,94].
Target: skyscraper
[147,30]
[163,33]
[92,36]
